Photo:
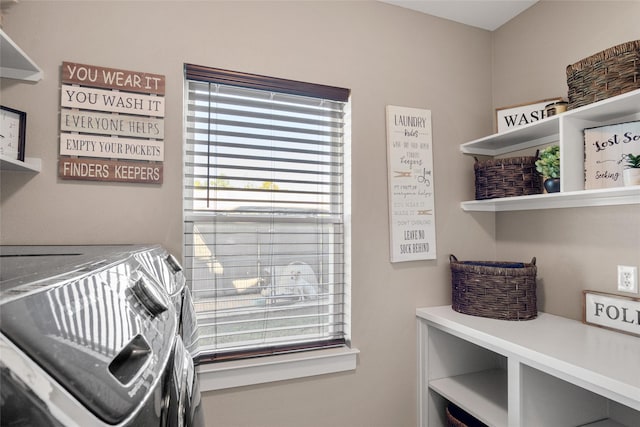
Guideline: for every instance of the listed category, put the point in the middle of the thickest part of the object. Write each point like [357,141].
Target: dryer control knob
[149,296]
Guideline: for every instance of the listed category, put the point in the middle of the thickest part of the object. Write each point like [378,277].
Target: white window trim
[238,373]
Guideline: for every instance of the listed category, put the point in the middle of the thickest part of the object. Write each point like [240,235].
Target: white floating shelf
[15,64]
[30,164]
[617,108]
[568,199]
[534,134]
[566,130]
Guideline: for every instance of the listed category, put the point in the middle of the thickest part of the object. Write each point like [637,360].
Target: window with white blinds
[264,212]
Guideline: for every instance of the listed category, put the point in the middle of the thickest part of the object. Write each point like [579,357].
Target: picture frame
[412,226]
[605,150]
[13,129]
[522,114]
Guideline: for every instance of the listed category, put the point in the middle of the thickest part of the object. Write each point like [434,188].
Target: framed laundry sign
[605,153]
[412,224]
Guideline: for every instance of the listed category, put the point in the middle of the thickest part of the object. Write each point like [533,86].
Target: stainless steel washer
[95,336]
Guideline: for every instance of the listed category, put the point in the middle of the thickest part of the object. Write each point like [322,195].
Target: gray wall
[387,56]
[576,249]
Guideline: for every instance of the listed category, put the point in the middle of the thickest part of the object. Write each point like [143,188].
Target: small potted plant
[631,175]
[548,165]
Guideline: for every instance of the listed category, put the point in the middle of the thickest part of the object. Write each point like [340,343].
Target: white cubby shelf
[566,130]
[549,371]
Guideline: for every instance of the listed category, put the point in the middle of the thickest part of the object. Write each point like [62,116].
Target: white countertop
[604,361]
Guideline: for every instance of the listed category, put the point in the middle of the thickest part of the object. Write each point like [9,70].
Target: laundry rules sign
[111,124]
[410,181]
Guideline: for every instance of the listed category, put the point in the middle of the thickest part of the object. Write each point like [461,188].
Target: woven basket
[508,177]
[456,417]
[499,290]
[608,73]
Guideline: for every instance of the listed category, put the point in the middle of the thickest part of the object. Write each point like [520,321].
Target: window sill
[237,373]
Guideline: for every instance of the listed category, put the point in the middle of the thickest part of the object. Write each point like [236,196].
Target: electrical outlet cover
[628,279]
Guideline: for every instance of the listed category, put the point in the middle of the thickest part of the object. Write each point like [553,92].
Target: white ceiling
[486,14]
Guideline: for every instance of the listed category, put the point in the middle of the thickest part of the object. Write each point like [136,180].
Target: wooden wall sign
[410,184]
[111,124]
[605,150]
[611,311]
[111,148]
[109,170]
[112,78]
[112,101]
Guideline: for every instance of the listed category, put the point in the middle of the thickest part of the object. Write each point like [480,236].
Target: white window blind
[264,212]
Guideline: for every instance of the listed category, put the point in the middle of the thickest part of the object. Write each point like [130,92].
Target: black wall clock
[13,127]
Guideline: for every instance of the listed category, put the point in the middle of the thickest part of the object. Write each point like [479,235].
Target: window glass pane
[266,283]
[264,226]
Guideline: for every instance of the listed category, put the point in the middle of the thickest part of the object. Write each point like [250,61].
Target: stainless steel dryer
[95,336]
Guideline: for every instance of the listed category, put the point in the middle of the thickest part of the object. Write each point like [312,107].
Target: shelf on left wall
[15,64]
[30,164]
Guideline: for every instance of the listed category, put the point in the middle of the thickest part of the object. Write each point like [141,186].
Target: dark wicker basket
[456,417]
[508,177]
[608,73]
[499,290]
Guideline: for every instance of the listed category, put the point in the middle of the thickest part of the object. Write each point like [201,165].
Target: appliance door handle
[173,263]
[131,359]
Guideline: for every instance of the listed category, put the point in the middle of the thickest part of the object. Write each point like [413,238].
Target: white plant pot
[631,176]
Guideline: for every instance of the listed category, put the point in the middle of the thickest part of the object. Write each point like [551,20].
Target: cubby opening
[469,376]
[550,401]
